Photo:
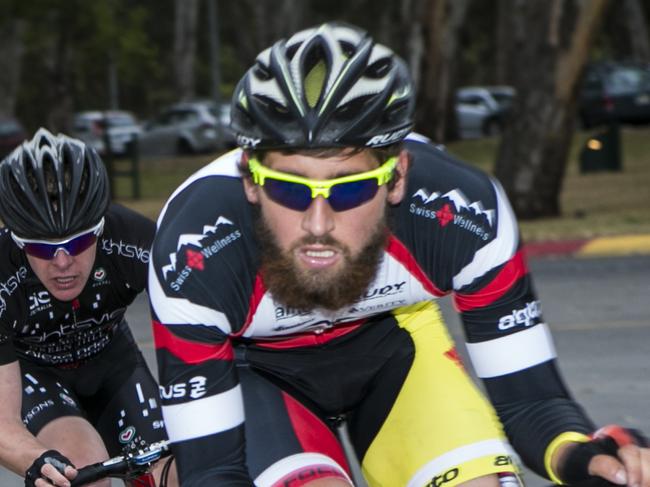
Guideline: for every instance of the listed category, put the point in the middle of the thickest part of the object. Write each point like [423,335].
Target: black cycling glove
[52,457]
[605,441]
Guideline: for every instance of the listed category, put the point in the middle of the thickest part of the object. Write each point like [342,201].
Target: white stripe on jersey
[180,311]
[497,252]
[292,463]
[512,353]
[457,457]
[225,165]
[205,416]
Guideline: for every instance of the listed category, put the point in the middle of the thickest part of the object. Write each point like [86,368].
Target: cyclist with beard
[296,279]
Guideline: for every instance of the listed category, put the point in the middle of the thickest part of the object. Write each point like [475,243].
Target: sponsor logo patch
[526,316]
[453,207]
[199,247]
[99,274]
[127,435]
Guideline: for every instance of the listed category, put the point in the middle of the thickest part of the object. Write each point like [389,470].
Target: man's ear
[250,190]
[396,193]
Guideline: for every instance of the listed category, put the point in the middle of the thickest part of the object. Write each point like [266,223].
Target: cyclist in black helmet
[74,388]
[296,279]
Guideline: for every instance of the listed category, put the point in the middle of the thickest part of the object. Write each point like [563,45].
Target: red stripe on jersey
[307,474]
[256,297]
[312,434]
[509,275]
[400,253]
[189,351]
[311,339]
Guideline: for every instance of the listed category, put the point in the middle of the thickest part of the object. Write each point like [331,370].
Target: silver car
[95,128]
[481,110]
[184,128]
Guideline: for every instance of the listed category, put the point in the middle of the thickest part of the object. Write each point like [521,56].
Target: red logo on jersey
[452,354]
[444,215]
[194,259]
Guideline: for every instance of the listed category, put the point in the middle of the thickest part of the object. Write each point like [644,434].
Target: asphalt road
[598,310]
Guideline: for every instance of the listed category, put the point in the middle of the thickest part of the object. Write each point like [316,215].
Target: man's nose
[318,219]
[62,259]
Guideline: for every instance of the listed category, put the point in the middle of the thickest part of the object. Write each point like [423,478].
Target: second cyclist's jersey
[453,233]
[36,327]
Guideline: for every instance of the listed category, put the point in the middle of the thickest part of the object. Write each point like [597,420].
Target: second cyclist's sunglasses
[47,249]
[342,193]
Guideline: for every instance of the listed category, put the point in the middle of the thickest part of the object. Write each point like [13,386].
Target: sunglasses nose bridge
[61,257]
[323,191]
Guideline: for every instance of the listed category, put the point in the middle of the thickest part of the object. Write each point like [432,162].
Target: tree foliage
[62,56]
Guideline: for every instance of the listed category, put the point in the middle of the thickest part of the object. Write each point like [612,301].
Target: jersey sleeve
[510,345]
[13,273]
[464,233]
[127,239]
[199,290]
[7,351]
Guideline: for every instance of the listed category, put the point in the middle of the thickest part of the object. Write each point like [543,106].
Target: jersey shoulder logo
[454,208]
[194,249]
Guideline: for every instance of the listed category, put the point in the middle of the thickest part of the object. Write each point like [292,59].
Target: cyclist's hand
[50,469]
[616,454]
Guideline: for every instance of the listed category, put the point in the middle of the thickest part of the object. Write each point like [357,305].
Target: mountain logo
[455,208]
[459,200]
[195,240]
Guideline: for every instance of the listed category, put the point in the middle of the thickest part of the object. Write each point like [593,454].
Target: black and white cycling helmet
[328,86]
[52,187]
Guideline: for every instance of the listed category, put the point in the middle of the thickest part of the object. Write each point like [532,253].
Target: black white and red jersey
[35,326]
[453,233]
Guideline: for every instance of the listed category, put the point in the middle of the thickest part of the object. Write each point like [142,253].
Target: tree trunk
[436,115]
[185,24]
[637,31]
[11,55]
[410,12]
[552,41]
[504,42]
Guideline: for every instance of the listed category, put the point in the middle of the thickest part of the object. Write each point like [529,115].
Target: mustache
[326,240]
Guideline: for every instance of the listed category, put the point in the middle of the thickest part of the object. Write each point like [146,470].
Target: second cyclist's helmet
[328,86]
[52,187]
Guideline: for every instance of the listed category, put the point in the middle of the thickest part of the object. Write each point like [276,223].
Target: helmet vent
[270,104]
[314,81]
[351,109]
[51,183]
[261,73]
[379,69]
[347,48]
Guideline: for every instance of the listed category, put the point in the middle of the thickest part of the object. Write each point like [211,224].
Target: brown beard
[306,289]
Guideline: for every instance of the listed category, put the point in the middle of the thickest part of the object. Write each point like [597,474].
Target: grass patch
[594,204]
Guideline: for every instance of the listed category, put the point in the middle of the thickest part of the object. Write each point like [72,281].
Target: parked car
[12,134]
[481,110]
[614,92]
[94,127]
[185,128]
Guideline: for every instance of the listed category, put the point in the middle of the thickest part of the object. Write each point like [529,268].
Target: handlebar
[129,465]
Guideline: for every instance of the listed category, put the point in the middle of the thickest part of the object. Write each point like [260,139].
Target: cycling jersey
[79,358]
[453,233]
[35,326]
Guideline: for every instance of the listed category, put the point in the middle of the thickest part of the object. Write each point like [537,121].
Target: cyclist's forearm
[18,447]
[533,417]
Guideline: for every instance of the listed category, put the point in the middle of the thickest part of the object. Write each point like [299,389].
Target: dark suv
[615,92]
